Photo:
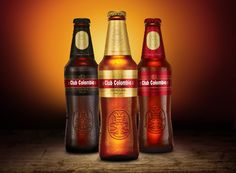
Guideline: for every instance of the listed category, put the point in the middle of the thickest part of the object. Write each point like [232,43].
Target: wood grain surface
[42,151]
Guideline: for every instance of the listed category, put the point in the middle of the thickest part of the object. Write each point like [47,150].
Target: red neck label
[152,43]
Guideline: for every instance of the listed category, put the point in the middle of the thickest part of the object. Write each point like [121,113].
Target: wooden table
[42,151]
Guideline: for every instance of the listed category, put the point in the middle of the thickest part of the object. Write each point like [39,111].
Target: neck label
[153,40]
[117,42]
[81,40]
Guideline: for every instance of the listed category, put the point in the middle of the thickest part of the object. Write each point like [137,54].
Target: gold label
[117,83]
[117,42]
[118,92]
[153,40]
[81,40]
[117,74]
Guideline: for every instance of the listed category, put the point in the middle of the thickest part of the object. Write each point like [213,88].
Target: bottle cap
[152,20]
[116,13]
[81,20]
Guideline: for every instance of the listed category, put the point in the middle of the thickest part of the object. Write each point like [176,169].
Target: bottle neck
[81,42]
[117,42]
[153,47]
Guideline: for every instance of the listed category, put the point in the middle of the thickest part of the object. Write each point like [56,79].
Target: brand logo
[156,120]
[81,83]
[119,125]
[153,40]
[154,82]
[82,121]
[81,40]
[118,83]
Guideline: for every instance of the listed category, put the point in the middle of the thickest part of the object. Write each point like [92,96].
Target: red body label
[117,83]
[154,82]
[81,83]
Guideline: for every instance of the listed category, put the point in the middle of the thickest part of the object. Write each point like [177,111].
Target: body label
[154,82]
[118,83]
[81,83]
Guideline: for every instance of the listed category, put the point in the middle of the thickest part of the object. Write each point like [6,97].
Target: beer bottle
[118,94]
[81,86]
[154,90]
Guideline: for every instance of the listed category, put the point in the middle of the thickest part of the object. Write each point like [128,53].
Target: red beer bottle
[118,94]
[81,86]
[154,72]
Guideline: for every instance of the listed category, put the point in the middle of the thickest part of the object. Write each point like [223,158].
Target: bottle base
[119,158]
[81,150]
[156,150]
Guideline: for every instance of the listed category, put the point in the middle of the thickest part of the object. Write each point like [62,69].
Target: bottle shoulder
[158,64]
[79,65]
[117,63]
[81,61]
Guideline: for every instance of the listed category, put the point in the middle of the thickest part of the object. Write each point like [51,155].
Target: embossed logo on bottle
[83,121]
[119,125]
[153,40]
[81,40]
[155,120]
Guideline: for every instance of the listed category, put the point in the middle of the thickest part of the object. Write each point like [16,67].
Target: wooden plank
[43,152]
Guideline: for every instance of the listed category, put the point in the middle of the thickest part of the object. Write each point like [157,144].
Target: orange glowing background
[36,38]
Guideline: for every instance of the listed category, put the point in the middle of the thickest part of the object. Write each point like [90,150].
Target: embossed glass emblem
[119,125]
[83,121]
[155,120]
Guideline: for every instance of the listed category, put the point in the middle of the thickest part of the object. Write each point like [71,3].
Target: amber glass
[155,131]
[82,120]
[112,148]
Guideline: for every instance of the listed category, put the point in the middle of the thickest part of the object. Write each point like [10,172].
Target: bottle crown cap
[81,20]
[116,13]
[152,20]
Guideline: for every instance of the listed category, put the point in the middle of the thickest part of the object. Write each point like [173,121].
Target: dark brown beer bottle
[118,94]
[81,92]
[155,132]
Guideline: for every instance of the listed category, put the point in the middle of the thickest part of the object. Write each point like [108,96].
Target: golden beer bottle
[118,94]
[154,92]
